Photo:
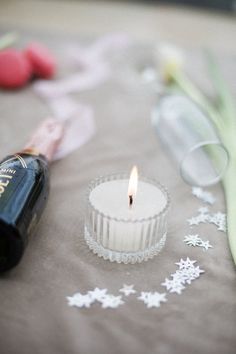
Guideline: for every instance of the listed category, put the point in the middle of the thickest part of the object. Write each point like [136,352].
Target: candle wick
[130,201]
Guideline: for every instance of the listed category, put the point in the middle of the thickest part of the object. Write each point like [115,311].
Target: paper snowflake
[127,290]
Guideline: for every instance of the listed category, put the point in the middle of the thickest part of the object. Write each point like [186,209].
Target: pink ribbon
[94,68]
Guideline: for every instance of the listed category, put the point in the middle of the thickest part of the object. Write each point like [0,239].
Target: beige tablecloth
[34,315]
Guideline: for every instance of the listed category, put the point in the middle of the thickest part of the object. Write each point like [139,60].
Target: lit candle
[133,224]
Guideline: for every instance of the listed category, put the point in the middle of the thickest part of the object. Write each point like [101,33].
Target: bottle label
[6,176]
[12,170]
[9,181]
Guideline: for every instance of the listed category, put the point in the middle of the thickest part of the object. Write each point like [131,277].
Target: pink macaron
[42,60]
[15,69]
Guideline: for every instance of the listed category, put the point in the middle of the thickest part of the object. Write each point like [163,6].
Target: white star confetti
[174,285]
[111,301]
[195,240]
[80,300]
[168,283]
[200,218]
[127,290]
[218,219]
[153,299]
[144,295]
[177,288]
[186,273]
[71,300]
[188,263]
[192,240]
[205,196]
[203,210]
[98,294]
[197,271]
[184,276]
[206,245]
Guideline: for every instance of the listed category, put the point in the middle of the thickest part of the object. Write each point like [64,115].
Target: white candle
[125,229]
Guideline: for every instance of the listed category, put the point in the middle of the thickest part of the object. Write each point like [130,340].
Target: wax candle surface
[111,199]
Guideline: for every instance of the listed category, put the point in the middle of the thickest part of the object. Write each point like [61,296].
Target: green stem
[225,100]
[191,90]
[229,183]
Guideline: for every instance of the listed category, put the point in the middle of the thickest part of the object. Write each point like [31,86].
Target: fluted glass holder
[125,240]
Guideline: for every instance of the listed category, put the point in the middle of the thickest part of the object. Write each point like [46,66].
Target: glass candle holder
[123,235]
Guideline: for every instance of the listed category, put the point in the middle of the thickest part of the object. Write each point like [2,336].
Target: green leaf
[226,101]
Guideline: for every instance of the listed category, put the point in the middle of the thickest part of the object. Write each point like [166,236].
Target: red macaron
[15,69]
[41,59]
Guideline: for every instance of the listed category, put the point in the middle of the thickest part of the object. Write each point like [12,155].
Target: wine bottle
[24,189]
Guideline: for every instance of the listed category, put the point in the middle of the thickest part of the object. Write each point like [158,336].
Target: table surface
[143,22]
[34,316]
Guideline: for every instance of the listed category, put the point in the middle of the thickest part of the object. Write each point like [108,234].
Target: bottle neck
[45,139]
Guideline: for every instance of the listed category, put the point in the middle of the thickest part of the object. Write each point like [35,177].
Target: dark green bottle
[24,188]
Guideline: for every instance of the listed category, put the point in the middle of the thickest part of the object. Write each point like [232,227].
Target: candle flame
[133,185]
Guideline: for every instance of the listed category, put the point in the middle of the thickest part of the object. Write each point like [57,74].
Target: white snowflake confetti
[188,263]
[167,283]
[186,273]
[153,299]
[177,288]
[200,218]
[71,300]
[205,196]
[80,300]
[144,295]
[174,285]
[111,301]
[206,245]
[218,219]
[184,276]
[203,210]
[192,240]
[193,221]
[127,290]
[98,294]
[195,240]
[197,271]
